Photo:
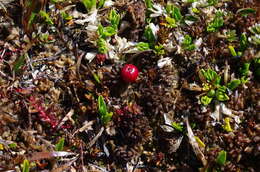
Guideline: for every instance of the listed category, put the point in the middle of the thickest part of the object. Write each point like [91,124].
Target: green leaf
[243,42]
[89,4]
[211,93]
[102,46]
[12,145]
[244,70]
[232,51]
[221,94]
[96,77]
[148,33]
[205,100]
[212,2]
[210,75]
[216,23]
[142,46]
[171,22]
[60,145]
[177,126]
[231,35]
[148,3]
[233,84]
[191,18]
[102,108]
[114,18]
[66,16]
[187,40]
[46,17]
[221,158]
[105,32]
[26,166]
[174,12]
[32,18]
[106,118]
[101,3]
[159,49]
[246,11]
[19,63]
[227,126]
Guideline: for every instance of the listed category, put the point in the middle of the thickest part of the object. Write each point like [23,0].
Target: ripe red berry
[129,73]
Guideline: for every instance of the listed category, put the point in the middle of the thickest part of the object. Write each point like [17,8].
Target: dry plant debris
[190,102]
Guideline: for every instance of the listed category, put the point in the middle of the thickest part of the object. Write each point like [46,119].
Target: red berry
[129,73]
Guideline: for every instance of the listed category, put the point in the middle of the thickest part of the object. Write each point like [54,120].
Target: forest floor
[191,102]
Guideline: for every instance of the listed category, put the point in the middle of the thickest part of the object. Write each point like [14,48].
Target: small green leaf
[142,46]
[159,49]
[233,84]
[148,33]
[244,70]
[66,16]
[101,3]
[191,18]
[200,142]
[114,18]
[12,145]
[232,51]
[89,4]
[148,3]
[171,22]
[46,17]
[231,35]
[96,77]
[216,23]
[106,118]
[221,94]
[177,126]
[211,93]
[212,2]
[174,12]
[210,75]
[108,31]
[26,166]
[221,158]
[205,100]
[19,63]
[246,11]
[60,145]
[102,46]
[227,126]
[102,108]
[32,18]
[243,42]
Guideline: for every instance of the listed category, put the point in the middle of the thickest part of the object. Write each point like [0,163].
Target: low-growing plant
[216,23]
[105,116]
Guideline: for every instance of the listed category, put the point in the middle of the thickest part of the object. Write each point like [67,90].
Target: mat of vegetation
[130,85]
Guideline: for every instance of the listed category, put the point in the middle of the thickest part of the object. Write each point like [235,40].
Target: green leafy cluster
[174,12]
[215,90]
[105,116]
[255,30]
[187,43]
[231,35]
[216,23]
[174,15]
[108,31]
